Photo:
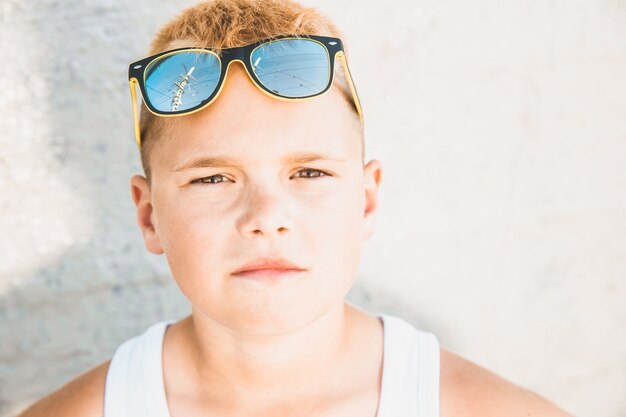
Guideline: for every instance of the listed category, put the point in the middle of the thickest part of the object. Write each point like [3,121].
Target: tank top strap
[154,387]
[410,371]
[400,369]
[116,385]
[428,375]
[134,383]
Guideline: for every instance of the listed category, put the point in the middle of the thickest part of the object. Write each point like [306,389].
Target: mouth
[268,274]
[269,271]
[268,266]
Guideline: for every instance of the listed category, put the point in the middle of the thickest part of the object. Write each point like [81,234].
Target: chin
[273,320]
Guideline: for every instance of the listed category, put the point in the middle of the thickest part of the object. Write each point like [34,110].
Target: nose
[266,214]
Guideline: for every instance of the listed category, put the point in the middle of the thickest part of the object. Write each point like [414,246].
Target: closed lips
[268,263]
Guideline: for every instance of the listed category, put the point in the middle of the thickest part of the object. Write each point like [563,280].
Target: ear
[372,173]
[140,190]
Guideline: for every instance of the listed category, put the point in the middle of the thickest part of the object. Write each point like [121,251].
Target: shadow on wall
[75,278]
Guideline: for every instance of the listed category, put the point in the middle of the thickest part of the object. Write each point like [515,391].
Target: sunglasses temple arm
[355,96]
[133,95]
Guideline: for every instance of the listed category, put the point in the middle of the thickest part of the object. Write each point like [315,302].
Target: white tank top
[410,380]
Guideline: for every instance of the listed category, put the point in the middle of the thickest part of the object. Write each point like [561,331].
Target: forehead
[247,125]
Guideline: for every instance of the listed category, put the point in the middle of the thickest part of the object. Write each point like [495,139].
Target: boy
[259,197]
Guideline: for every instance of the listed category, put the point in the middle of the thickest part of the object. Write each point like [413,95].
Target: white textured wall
[501,128]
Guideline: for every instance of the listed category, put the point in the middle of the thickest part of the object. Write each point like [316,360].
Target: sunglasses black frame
[137,71]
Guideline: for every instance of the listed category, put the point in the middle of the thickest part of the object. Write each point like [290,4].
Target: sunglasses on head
[186,80]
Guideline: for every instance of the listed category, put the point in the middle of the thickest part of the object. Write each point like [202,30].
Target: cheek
[192,240]
[338,233]
[196,258]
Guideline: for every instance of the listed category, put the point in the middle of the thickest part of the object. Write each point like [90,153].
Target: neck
[271,366]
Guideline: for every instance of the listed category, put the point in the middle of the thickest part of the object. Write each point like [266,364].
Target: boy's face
[265,206]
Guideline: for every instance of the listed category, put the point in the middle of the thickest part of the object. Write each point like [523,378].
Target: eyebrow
[224,161]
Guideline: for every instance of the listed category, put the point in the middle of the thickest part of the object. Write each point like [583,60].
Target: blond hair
[221,24]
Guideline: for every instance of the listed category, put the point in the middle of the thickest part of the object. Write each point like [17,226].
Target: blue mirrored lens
[182,80]
[292,67]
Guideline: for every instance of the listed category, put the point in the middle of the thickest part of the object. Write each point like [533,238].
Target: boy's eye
[313,170]
[210,180]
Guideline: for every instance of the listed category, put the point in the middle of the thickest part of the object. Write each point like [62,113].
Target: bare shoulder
[467,389]
[82,396]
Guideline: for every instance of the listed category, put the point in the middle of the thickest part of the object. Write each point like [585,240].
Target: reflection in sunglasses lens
[182,81]
[292,67]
